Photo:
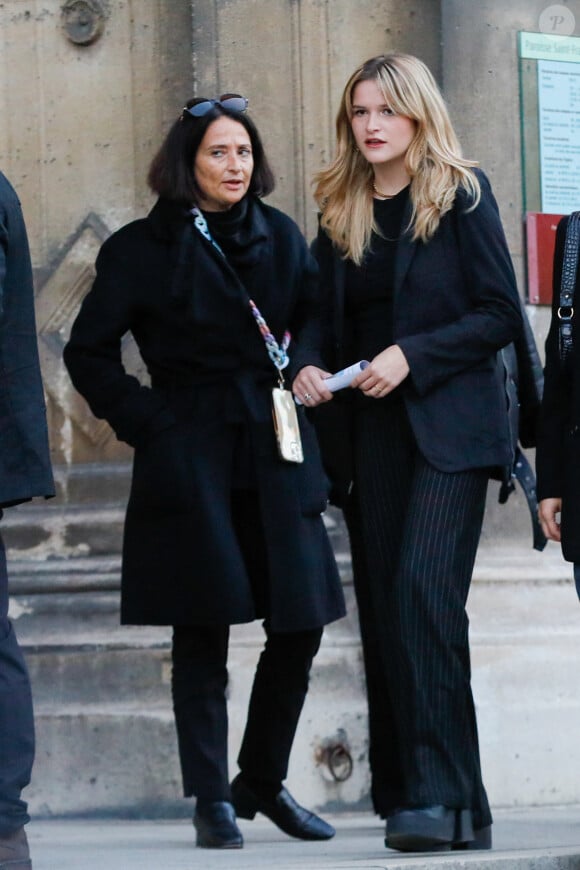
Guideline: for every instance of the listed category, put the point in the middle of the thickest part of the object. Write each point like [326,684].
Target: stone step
[78,653]
[84,519]
[106,741]
[91,484]
[57,533]
[114,749]
[535,838]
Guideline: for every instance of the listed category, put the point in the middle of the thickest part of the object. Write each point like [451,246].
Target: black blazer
[558,450]
[455,305]
[25,469]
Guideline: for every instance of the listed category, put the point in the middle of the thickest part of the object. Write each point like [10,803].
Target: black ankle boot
[481,840]
[421,829]
[434,829]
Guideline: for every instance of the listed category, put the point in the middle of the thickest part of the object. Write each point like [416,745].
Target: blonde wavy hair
[433,160]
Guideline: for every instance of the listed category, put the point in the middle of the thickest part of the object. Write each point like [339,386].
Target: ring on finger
[307,397]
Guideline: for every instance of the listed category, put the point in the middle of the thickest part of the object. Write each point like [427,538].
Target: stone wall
[78,125]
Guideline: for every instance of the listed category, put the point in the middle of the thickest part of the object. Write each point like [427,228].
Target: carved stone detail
[57,304]
[83,20]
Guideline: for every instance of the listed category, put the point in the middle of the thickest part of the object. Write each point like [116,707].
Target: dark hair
[171,173]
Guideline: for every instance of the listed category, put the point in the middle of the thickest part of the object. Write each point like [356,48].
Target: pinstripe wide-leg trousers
[414,534]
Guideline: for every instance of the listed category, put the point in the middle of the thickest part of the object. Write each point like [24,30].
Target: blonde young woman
[418,281]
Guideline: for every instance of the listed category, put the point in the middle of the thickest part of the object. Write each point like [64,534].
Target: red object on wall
[540,243]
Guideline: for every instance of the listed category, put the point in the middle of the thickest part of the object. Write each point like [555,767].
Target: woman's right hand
[308,386]
[548,508]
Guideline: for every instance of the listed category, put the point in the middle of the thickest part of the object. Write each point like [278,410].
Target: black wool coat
[211,380]
[456,304]
[25,469]
[558,449]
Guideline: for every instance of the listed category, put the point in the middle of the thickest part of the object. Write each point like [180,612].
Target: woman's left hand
[308,386]
[385,372]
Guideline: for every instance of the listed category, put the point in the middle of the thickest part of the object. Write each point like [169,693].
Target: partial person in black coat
[419,282]
[219,530]
[558,450]
[25,472]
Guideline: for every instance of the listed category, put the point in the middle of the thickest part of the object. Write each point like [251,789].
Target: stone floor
[546,838]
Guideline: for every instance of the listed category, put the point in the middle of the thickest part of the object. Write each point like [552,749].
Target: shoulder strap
[567,285]
[276,352]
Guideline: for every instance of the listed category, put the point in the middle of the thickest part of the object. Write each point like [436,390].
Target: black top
[369,287]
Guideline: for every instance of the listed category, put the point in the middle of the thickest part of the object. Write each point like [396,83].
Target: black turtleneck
[369,287]
[228,226]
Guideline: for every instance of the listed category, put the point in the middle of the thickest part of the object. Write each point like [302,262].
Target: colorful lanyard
[200,224]
[276,352]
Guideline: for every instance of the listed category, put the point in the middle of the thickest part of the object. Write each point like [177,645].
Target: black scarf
[241,232]
[240,236]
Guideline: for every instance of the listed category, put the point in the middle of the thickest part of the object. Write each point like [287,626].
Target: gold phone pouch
[286,425]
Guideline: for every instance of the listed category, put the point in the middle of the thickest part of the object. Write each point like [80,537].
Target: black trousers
[16,718]
[414,534]
[200,678]
[199,702]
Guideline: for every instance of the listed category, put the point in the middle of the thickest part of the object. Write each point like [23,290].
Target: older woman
[219,528]
[419,282]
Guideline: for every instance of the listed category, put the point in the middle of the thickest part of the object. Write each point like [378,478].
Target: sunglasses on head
[201,106]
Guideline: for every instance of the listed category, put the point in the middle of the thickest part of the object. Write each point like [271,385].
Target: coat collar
[167,218]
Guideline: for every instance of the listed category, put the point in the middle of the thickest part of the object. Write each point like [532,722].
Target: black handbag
[567,284]
[522,379]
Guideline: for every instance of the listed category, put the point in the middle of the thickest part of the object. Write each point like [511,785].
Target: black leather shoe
[283,810]
[481,840]
[215,823]
[424,829]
